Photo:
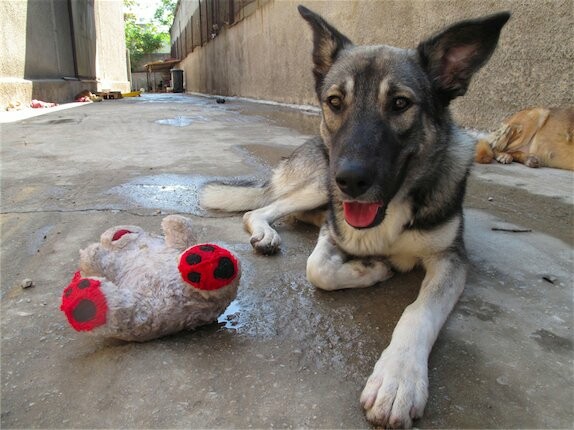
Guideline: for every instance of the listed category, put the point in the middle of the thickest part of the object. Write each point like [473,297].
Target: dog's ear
[452,56]
[328,42]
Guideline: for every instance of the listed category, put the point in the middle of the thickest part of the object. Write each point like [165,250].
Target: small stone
[490,199]
[27,283]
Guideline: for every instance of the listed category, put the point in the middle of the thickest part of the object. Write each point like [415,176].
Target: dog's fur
[536,137]
[388,142]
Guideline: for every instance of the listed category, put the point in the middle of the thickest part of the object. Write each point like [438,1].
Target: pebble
[27,283]
[490,199]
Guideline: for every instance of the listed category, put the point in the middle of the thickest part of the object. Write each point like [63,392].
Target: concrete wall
[37,59]
[111,61]
[267,55]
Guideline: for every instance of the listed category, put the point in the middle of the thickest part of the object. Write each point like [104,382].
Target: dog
[536,137]
[386,181]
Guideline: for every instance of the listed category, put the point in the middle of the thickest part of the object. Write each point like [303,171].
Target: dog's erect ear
[454,55]
[328,42]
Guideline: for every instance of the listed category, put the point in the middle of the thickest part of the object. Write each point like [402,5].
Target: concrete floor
[284,354]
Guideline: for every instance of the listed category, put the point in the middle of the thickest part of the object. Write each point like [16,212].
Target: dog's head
[383,107]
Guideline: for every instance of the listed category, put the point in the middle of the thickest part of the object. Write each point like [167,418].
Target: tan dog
[535,137]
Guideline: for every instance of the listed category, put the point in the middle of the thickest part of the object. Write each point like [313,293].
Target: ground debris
[27,283]
[550,278]
[512,230]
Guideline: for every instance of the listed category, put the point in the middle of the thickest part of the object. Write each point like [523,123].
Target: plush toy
[137,286]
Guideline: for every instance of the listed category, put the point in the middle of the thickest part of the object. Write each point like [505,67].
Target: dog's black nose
[354,179]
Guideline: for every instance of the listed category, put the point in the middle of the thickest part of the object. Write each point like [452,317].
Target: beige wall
[37,50]
[267,55]
[111,60]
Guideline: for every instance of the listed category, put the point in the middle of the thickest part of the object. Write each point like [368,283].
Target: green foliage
[147,38]
[143,39]
[164,13]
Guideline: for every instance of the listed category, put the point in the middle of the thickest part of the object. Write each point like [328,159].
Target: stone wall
[42,59]
[267,54]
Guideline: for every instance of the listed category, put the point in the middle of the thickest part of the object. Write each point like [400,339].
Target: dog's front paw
[504,158]
[264,239]
[397,390]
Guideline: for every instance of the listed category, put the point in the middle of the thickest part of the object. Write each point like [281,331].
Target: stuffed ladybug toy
[136,286]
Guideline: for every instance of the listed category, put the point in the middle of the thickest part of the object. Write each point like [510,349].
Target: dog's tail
[483,152]
[234,197]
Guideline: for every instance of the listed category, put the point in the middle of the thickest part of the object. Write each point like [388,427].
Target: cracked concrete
[284,354]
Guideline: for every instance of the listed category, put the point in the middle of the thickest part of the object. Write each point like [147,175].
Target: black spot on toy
[192,259]
[84,283]
[194,277]
[225,269]
[85,311]
[84,304]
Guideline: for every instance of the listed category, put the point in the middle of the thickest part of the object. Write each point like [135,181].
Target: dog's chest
[393,239]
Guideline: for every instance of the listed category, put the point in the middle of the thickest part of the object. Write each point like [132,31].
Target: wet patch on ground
[552,342]
[478,308]
[547,215]
[265,157]
[171,193]
[166,192]
[304,121]
[181,121]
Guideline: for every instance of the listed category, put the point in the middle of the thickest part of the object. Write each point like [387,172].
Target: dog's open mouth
[363,215]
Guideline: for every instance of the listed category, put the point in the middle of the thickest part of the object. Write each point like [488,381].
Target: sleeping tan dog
[536,137]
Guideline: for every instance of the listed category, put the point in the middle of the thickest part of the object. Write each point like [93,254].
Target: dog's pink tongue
[359,214]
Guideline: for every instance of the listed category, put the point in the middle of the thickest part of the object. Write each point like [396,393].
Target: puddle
[229,117]
[174,98]
[167,192]
[231,317]
[179,121]
[172,192]
[306,122]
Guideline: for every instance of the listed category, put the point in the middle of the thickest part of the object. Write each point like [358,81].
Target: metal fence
[210,17]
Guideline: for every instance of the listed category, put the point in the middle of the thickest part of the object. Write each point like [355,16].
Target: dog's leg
[397,390]
[529,160]
[329,268]
[258,222]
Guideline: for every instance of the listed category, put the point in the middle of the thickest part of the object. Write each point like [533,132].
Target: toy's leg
[178,232]
[84,303]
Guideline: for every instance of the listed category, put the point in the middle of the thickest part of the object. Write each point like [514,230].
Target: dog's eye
[401,104]
[335,103]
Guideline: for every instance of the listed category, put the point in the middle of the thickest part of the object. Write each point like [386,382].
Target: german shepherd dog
[390,170]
